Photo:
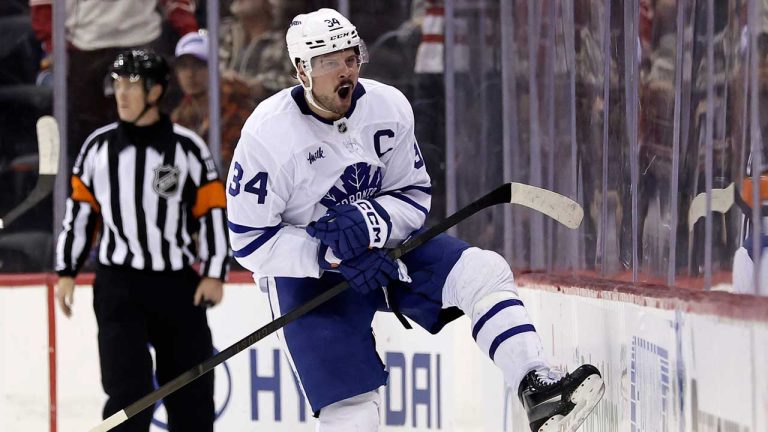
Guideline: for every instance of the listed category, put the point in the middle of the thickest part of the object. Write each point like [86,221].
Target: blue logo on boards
[359,181]
[649,370]
[407,401]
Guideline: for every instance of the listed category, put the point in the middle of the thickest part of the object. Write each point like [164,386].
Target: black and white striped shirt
[156,192]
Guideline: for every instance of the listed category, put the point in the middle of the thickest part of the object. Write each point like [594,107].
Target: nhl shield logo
[166,180]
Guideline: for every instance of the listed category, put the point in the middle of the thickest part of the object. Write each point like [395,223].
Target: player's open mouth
[344,90]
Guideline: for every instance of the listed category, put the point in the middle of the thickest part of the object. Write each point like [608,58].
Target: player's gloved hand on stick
[369,271]
[351,229]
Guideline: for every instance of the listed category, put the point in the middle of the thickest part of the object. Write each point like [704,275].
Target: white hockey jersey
[291,165]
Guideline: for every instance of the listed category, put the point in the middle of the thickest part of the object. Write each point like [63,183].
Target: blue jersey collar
[298,96]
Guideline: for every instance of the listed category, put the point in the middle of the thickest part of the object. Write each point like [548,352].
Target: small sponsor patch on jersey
[166,181]
[316,155]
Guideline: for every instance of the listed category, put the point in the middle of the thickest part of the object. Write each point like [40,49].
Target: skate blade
[586,397]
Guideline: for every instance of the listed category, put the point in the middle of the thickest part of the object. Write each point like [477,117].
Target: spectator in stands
[192,112]
[253,49]
[191,69]
[96,32]
[655,132]
[429,91]
[429,96]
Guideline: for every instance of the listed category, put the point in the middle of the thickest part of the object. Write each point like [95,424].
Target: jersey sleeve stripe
[199,149]
[407,200]
[243,229]
[257,243]
[426,189]
[205,240]
[218,260]
[91,140]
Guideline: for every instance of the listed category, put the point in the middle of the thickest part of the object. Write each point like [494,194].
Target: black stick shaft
[42,189]
[500,195]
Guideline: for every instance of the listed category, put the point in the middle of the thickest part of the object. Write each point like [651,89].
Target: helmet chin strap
[147,106]
[310,98]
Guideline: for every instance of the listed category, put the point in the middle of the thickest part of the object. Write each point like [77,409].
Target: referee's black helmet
[141,63]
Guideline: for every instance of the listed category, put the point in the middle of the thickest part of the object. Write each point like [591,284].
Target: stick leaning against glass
[48,157]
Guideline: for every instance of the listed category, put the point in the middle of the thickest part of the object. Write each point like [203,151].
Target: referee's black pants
[137,308]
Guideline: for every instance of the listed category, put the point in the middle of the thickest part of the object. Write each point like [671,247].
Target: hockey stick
[562,209]
[722,200]
[48,156]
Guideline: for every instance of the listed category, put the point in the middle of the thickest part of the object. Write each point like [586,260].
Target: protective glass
[339,61]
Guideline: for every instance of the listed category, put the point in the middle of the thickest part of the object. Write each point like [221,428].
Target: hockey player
[326,176]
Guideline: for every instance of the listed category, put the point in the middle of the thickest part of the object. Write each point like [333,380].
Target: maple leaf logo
[358,181]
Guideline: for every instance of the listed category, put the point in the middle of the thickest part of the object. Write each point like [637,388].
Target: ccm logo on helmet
[339,36]
[295,23]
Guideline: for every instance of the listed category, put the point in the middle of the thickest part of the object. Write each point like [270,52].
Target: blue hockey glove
[351,229]
[330,262]
[369,271]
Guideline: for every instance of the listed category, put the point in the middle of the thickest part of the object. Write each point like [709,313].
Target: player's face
[334,77]
[129,95]
[192,74]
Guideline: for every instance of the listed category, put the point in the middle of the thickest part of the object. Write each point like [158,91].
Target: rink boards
[670,364]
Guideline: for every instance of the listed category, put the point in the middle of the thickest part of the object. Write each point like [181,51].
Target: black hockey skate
[560,403]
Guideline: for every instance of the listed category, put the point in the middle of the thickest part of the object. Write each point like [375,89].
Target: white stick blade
[48,145]
[560,208]
[111,421]
[722,200]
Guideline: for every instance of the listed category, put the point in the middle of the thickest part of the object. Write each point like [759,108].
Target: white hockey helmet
[321,32]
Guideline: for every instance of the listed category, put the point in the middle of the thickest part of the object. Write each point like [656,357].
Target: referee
[154,190]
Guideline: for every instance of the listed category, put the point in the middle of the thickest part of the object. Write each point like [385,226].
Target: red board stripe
[52,354]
